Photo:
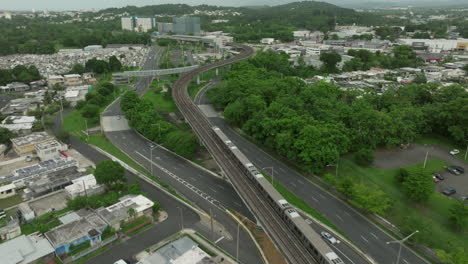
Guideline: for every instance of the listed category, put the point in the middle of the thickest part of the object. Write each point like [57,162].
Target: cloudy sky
[86,4]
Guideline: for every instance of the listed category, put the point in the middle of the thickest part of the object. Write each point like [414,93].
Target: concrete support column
[198,79]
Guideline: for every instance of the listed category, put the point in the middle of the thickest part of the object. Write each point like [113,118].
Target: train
[318,248]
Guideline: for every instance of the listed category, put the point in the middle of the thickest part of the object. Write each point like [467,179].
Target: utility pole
[212,231]
[466,152]
[272,175]
[425,159]
[401,243]
[237,248]
[86,124]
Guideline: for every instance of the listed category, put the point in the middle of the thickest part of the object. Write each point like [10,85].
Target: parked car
[452,170]
[464,198]
[449,191]
[459,169]
[328,237]
[454,152]
[121,261]
[438,175]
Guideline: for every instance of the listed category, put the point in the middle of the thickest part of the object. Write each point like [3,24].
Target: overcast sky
[87,4]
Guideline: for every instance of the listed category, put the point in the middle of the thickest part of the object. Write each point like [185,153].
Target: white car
[454,152]
[120,261]
[329,237]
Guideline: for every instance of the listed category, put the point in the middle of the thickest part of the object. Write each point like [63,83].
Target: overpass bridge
[124,77]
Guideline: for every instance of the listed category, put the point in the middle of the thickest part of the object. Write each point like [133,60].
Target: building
[181,251]
[27,214]
[27,144]
[50,149]
[88,77]
[125,46]
[7,190]
[75,94]
[55,80]
[14,87]
[20,176]
[118,212]
[11,229]
[21,125]
[93,48]
[77,228]
[72,80]
[20,106]
[437,45]
[301,34]
[165,27]
[137,23]
[44,184]
[267,41]
[219,41]
[187,26]
[27,249]
[83,186]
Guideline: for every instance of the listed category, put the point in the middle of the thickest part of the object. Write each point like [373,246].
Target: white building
[50,150]
[83,186]
[140,24]
[267,41]
[7,190]
[19,124]
[438,45]
[26,249]
[52,80]
[301,34]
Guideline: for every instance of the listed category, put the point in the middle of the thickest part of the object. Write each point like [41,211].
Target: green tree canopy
[110,173]
[418,185]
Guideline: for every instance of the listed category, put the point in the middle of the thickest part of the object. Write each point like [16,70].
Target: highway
[364,234]
[183,176]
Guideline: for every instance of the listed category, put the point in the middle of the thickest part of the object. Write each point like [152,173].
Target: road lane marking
[315,199]
[341,219]
[301,182]
[220,186]
[321,195]
[347,213]
[213,189]
[221,238]
[406,261]
[342,253]
[372,234]
[363,238]
[293,184]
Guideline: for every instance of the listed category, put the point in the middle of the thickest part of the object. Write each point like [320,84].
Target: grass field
[11,201]
[435,212]
[160,101]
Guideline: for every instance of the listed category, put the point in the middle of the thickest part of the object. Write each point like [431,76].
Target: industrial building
[436,45]
[187,26]
[137,23]
[40,169]
[165,27]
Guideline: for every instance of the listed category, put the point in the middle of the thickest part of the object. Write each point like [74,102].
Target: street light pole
[466,152]
[237,248]
[401,243]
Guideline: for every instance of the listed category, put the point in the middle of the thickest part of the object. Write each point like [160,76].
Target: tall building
[187,26]
[140,24]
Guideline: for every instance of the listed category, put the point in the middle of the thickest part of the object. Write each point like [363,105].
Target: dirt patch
[269,249]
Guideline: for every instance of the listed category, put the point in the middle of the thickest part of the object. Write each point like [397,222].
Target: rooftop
[19,119]
[74,230]
[24,249]
[82,183]
[31,138]
[45,167]
[48,144]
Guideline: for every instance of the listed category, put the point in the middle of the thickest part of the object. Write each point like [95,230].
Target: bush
[364,157]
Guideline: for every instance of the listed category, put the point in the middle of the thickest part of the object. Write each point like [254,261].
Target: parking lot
[397,158]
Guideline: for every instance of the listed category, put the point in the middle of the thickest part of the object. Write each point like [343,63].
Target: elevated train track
[296,246]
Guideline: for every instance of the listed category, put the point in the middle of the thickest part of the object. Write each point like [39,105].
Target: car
[453,170]
[464,198]
[454,152]
[121,261]
[438,175]
[328,237]
[449,191]
[457,170]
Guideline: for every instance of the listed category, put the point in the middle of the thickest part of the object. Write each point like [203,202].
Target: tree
[418,185]
[420,78]
[129,100]
[90,111]
[114,64]
[371,198]
[457,256]
[401,175]
[330,60]
[330,179]
[6,135]
[156,207]
[364,157]
[459,215]
[63,136]
[78,69]
[110,173]
[346,186]
[131,212]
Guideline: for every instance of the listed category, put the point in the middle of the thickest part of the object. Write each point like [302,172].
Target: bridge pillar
[217,72]
[198,79]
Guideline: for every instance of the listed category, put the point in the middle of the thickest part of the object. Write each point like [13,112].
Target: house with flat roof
[26,249]
[44,184]
[118,212]
[50,149]
[72,80]
[10,229]
[21,176]
[26,145]
[52,80]
[83,186]
[78,228]
[7,190]
[19,124]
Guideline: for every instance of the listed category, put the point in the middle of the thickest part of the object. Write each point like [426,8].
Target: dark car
[449,191]
[438,175]
[459,169]
[453,170]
